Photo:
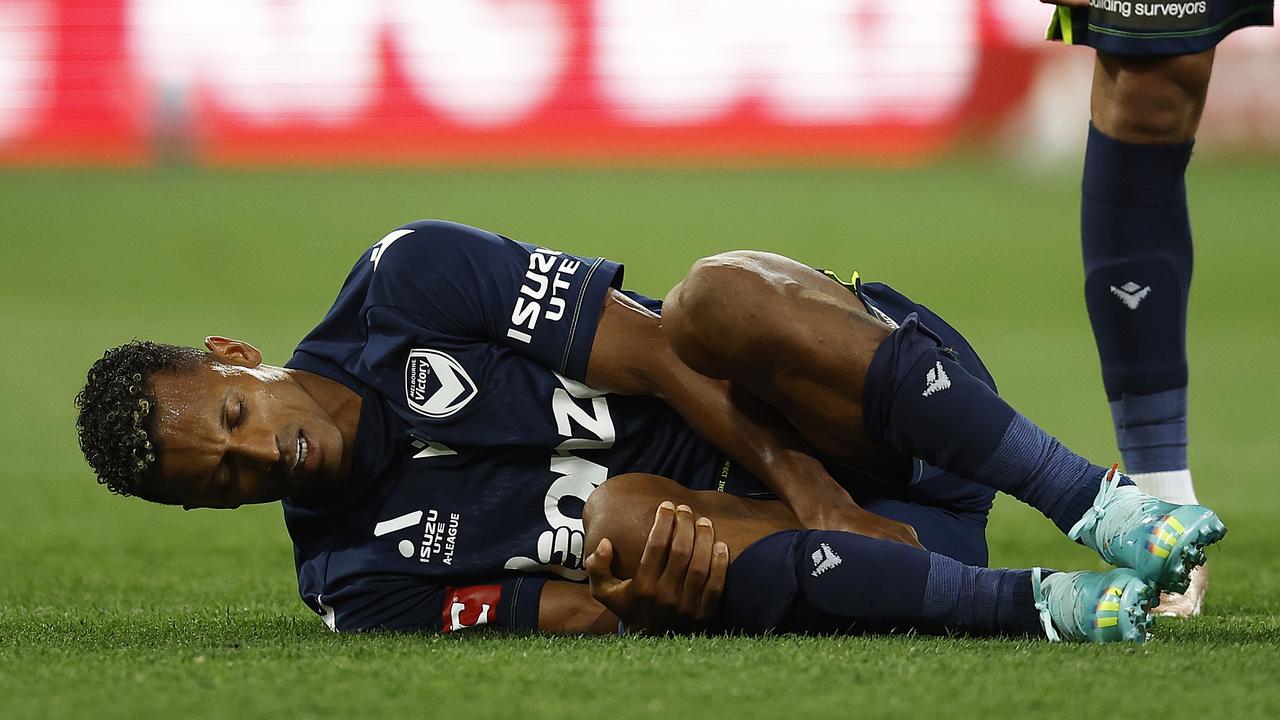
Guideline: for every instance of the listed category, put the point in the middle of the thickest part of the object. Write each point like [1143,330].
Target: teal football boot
[1161,541]
[1094,607]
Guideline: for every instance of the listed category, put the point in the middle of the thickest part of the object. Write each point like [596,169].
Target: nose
[259,448]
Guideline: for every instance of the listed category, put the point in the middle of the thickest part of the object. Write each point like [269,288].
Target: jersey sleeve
[407,603]
[466,282]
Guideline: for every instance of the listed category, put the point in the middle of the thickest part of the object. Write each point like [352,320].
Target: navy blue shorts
[1156,27]
[948,512]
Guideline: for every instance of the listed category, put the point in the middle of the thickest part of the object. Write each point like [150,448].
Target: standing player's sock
[1151,431]
[919,401]
[1136,240]
[826,581]
[1174,486]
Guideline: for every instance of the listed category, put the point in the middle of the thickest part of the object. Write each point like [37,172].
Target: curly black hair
[116,406]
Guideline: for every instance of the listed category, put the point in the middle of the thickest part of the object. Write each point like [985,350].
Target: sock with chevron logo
[1135,234]
[919,401]
[832,582]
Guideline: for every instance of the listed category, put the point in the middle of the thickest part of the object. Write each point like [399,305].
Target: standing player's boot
[1189,602]
[1093,607]
[1161,541]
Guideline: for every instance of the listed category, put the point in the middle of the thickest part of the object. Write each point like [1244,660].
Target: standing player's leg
[802,343]
[1149,89]
[784,578]
[1136,242]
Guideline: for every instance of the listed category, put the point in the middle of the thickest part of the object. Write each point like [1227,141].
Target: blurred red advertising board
[454,81]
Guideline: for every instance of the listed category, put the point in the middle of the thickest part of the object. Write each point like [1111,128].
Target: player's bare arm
[567,608]
[730,413]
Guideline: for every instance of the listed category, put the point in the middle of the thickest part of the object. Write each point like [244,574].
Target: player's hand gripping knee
[678,583]
[856,520]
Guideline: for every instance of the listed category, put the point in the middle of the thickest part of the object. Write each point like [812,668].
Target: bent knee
[623,506]
[600,507]
[1150,100]
[1148,120]
[708,291]
[717,315]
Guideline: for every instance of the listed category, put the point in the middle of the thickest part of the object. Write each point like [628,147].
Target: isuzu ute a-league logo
[1150,14]
[435,384]
[439,534]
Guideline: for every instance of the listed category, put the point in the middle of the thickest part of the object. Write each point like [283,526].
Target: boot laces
[1042,605]
[1111,515]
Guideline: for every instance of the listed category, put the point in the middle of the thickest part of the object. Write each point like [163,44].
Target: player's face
[231,435]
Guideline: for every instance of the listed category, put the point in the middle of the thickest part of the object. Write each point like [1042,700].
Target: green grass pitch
[112,608]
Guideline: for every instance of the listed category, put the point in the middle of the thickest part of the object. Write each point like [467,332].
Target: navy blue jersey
[478,442]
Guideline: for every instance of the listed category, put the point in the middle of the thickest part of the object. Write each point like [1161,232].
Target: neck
[342,405]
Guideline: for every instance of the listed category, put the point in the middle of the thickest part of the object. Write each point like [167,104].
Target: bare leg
[734,317]
[1150,100]
[806,346]
[622,510]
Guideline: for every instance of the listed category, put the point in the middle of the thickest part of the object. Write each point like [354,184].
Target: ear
[233,352]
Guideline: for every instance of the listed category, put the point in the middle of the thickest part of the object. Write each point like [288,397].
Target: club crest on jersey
[435,384]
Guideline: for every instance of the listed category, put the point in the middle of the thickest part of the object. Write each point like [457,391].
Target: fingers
[600,571]
[678,556]
[887,529]
[893,530]
[905,534]
[913,538]
[598,563]
[695,577]
[680,578]
[714,586]
[910,540]
[654,557]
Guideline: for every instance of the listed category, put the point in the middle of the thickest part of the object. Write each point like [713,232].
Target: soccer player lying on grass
[435,440]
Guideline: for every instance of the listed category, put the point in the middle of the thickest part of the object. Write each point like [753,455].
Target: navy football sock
[919,401]
[1151,430]
[1136,239]
[826,581]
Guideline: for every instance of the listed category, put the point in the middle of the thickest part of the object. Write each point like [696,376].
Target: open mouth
[300,456]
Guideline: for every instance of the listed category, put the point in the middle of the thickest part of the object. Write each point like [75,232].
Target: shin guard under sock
[919,401]
[1135,235]
[826,581]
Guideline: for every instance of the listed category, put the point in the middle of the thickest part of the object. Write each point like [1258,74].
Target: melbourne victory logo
[435,384]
